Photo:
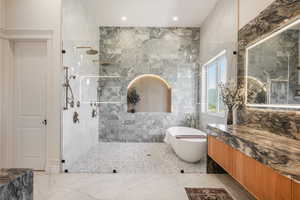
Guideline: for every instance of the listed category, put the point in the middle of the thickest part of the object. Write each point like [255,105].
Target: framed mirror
[273,69]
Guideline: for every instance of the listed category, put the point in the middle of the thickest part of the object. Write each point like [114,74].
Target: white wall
[218,33]
[78,23]
[155,95]
[33,14]
[2,13]
[1,80]
[41,15]
[249,9]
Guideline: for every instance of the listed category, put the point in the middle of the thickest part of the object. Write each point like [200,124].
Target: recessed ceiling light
[175,18]
[124,18]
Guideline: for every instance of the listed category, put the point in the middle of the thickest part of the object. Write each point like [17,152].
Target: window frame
[215,60]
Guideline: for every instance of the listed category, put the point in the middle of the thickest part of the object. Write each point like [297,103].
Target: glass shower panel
[80,120]
[88,145]
[88,89]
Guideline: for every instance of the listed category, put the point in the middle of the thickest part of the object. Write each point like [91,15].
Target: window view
[212,94]
[215,74]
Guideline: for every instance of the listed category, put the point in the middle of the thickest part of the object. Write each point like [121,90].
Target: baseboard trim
[53,166]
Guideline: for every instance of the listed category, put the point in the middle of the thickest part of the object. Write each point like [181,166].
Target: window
[214,73]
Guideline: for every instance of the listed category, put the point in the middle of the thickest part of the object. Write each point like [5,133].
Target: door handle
[44,122]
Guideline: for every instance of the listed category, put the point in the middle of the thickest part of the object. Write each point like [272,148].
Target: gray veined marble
[171,53]
[273,64]
[279,122]
[273,18]
[16,184]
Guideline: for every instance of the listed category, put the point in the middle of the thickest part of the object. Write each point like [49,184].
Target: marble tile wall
[171,53]
[277,15]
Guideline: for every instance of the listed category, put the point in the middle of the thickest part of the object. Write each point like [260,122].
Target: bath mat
[207,194]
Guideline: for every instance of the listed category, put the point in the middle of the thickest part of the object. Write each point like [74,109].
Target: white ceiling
[191,13]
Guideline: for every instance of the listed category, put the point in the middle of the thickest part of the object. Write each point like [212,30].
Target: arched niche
[149,93]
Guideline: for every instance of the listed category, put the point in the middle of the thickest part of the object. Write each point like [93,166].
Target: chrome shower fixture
[94,106]
[76,118]
[69,100]
[94,113]
[90,50]
[78,104]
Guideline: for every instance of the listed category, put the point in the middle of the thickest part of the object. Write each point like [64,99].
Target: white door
[30,104]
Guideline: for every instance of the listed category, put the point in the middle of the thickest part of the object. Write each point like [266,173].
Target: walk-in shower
[122,128]
[108,138]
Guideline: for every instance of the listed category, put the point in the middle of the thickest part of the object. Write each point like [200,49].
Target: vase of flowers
[233,96]
[132,99]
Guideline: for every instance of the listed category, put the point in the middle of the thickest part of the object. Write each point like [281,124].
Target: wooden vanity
[295,191]
[262,181]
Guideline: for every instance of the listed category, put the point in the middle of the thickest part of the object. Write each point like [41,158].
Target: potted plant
[190,120]
[132,99]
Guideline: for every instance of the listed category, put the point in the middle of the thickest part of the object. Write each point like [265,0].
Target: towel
[190,136]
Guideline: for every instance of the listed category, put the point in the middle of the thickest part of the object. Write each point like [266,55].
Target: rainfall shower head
[92,52]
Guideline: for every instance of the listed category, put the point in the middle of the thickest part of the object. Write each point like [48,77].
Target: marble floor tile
[129,186]
[138,158]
